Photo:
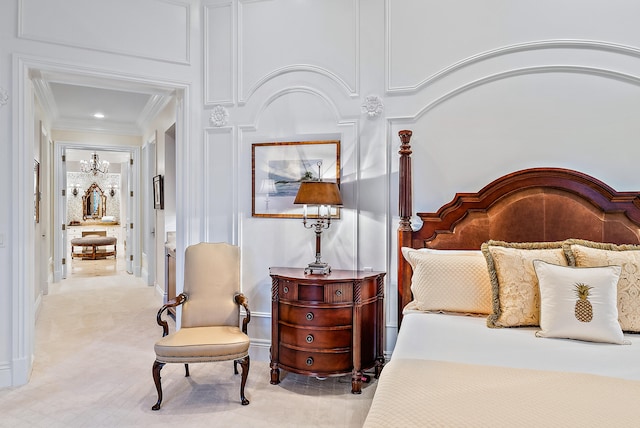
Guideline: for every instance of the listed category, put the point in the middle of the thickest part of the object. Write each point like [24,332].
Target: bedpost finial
[405,136]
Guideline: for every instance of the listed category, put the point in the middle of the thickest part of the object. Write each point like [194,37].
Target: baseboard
[5,375]
[161,292]
[260,350]
[144,274]
[37,305]
[16,374]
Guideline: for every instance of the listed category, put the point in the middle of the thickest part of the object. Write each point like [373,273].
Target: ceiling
[71,100]
[113,157]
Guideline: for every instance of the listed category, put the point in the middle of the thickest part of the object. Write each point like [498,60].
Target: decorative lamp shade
[318,193]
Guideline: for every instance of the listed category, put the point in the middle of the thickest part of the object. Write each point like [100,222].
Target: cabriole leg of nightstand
[275,374]
[356,382]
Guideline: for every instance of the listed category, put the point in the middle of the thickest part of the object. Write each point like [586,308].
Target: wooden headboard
[531,205]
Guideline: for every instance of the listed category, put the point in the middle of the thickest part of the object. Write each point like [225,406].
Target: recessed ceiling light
[98,115]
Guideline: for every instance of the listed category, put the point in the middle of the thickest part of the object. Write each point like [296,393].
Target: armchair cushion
[202,344]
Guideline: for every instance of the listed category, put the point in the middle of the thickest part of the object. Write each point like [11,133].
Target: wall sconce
[74,189]
[323,195]
[112,189]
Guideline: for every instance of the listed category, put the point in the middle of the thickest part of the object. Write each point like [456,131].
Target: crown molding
[43,92]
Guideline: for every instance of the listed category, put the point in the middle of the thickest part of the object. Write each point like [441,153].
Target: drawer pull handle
[309,361]
[309,316]
[285,289]
[309,338]
[338,293]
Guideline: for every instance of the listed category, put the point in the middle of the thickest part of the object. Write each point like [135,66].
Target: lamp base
[317,268]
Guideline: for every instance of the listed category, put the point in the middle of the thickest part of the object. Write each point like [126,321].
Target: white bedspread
[464,339]
[427,393]
[453,371]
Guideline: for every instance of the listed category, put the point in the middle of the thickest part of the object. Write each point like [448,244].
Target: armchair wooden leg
[186,370]
[235,367]
[244,363]
[157,366]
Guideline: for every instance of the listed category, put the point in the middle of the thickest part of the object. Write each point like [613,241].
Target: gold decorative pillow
[514,284]
[579,303]
[449,281]
[587,254]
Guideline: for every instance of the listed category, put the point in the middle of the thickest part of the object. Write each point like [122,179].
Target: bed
[518,305]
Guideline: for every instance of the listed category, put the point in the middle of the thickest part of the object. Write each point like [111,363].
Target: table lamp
[323,195]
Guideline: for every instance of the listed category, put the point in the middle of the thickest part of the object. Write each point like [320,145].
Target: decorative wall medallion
[219,116]
[4,96]
[372,106]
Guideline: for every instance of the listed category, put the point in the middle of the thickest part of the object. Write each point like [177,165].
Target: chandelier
[94,165]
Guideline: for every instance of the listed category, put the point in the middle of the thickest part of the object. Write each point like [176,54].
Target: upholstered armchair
[210,315]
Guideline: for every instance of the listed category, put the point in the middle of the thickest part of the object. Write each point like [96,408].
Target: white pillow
[449,281]
[579,303]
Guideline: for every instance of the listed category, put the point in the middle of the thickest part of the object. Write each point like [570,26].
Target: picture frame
[158,192]
[277,168]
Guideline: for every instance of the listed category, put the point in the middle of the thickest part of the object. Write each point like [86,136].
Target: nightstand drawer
[338,292]
[316,362]
[310,338]
[288,290]
[314,317]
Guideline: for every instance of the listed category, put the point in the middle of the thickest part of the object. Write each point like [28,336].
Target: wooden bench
[90,244]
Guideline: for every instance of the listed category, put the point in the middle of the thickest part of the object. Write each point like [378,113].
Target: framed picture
[278,168]
[158,192]
[36,191]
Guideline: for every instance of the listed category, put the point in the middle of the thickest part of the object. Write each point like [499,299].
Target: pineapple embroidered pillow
[579,303]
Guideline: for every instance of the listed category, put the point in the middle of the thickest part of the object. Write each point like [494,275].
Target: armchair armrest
[180,299]
[242,300]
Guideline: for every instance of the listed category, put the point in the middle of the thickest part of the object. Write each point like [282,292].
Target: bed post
[404,229]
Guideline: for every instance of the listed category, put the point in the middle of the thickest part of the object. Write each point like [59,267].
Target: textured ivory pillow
[514,285]
[449,281]
[586,254]
[579,303]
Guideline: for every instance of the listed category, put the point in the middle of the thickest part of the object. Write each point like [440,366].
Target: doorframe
[148,214]
[22,233]
[132,237]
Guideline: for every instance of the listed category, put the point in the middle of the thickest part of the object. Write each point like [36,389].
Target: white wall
[165,219]
[487,87]
[82,181]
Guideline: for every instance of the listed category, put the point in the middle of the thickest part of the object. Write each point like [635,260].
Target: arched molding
[291,90]
[593,45]
[593,71]
[351,91]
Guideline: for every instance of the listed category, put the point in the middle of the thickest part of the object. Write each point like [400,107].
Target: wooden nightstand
[324,325]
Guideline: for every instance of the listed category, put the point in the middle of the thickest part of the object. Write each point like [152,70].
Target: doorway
[23,285]
[96,205]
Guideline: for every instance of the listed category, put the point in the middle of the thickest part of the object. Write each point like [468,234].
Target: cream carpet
[93,356]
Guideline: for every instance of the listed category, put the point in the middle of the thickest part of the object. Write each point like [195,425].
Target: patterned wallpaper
[83,181]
